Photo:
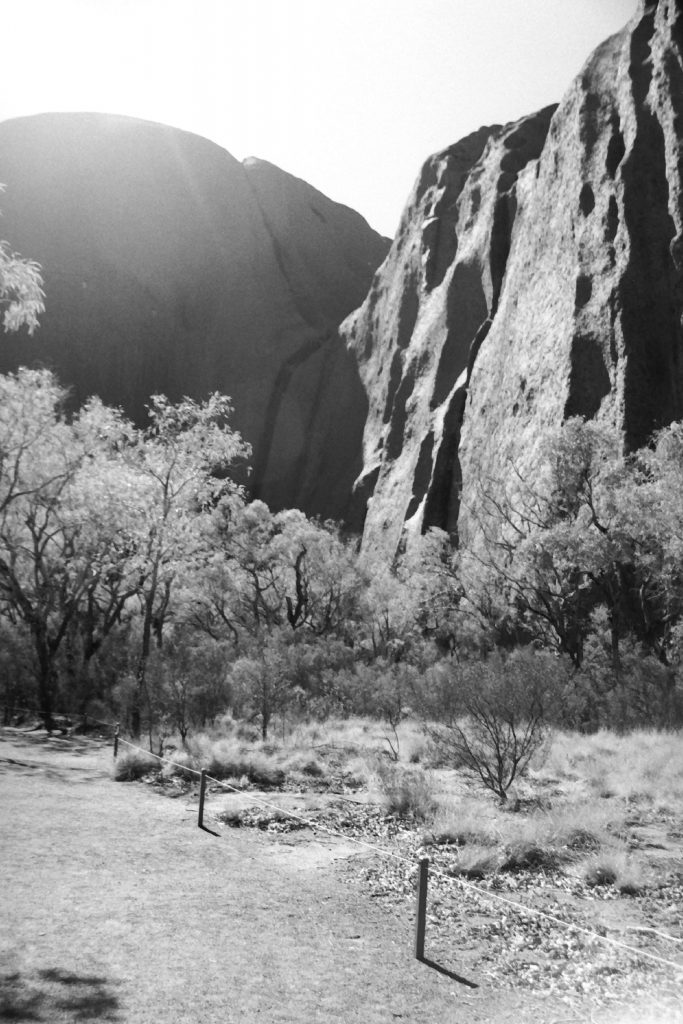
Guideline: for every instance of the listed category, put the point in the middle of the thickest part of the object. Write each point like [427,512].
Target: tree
[276,571]
[181,460]
[548,547]
[21,290]
[60,512]
[262,683]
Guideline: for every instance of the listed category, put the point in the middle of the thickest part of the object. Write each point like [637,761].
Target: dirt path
[116,907]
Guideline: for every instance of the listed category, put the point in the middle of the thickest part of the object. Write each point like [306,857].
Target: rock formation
[172,268]
[537,275]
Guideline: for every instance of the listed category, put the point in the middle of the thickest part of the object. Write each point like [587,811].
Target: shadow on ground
[56,995]
[440,969]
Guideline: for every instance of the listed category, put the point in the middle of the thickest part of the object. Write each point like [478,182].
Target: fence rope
[166,760]
[481,894]
[468,886]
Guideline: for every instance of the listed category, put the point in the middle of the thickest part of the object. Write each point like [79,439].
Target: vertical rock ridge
[549,271]
[590,315]
[414,345]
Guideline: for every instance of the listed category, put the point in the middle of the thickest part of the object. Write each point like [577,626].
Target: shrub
[312,768]
[476,862]
[530,857]
[181,767]
[134,764]
[615,868]
[405,794]
[497,719]
[226,759]
[464,822]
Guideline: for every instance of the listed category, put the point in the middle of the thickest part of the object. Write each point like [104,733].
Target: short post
[202,794]
[421,920]
[116,740]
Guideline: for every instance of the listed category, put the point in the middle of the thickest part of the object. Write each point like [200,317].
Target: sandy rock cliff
[171,267]
[537,275]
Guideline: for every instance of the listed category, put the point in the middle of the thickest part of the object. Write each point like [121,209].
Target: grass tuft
[530,857]
[133,765]
[613,867]
[476,862]
[405,793]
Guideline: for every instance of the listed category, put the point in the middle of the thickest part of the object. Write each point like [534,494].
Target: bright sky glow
[351,96]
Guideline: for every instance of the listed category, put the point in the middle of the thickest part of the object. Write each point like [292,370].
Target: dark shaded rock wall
[171,267]
[537,275]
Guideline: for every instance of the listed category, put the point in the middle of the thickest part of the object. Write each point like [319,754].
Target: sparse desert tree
[187,683]
[262,685]
[498,718]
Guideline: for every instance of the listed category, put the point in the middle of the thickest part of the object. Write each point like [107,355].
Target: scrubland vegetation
[604,809]
[138,583]
[510,704]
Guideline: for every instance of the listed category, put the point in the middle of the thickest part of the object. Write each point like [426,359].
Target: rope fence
[424,869]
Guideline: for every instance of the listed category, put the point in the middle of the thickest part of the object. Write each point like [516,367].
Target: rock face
[537,275]
[172,268]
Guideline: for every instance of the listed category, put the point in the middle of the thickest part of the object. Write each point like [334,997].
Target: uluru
[172,268]
[537,275]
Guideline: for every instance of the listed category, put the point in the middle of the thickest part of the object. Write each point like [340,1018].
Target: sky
[352,96]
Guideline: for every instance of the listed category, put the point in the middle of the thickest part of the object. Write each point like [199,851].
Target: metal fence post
[202,794]
[421,920]
[116,740]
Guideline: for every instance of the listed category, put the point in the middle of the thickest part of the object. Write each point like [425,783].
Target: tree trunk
[141,672]
[46,683]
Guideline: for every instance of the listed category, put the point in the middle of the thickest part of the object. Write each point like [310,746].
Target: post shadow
[420,927]
[449,974]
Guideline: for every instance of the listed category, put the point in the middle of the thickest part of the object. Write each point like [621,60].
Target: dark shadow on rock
[449,974]
[42,995]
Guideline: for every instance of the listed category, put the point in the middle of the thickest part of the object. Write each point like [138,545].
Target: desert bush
[613,867]
[464,822]
[497,715]
[134,764]
[637,692]
[312,768]
[228,759]
[181,766]
[476,862]
[525,856]
[405,793]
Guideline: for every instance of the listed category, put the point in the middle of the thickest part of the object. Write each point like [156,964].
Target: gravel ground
[117,908]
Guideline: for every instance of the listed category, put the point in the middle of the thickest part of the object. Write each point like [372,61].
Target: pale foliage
[21,290]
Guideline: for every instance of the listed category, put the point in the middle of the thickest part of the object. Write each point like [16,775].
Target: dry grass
[613,866]
[576,809]
[464,821]
[475,861]
[133,764]
[642,766]
[403,792]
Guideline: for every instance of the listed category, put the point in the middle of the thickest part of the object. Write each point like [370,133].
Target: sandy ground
[116,907]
